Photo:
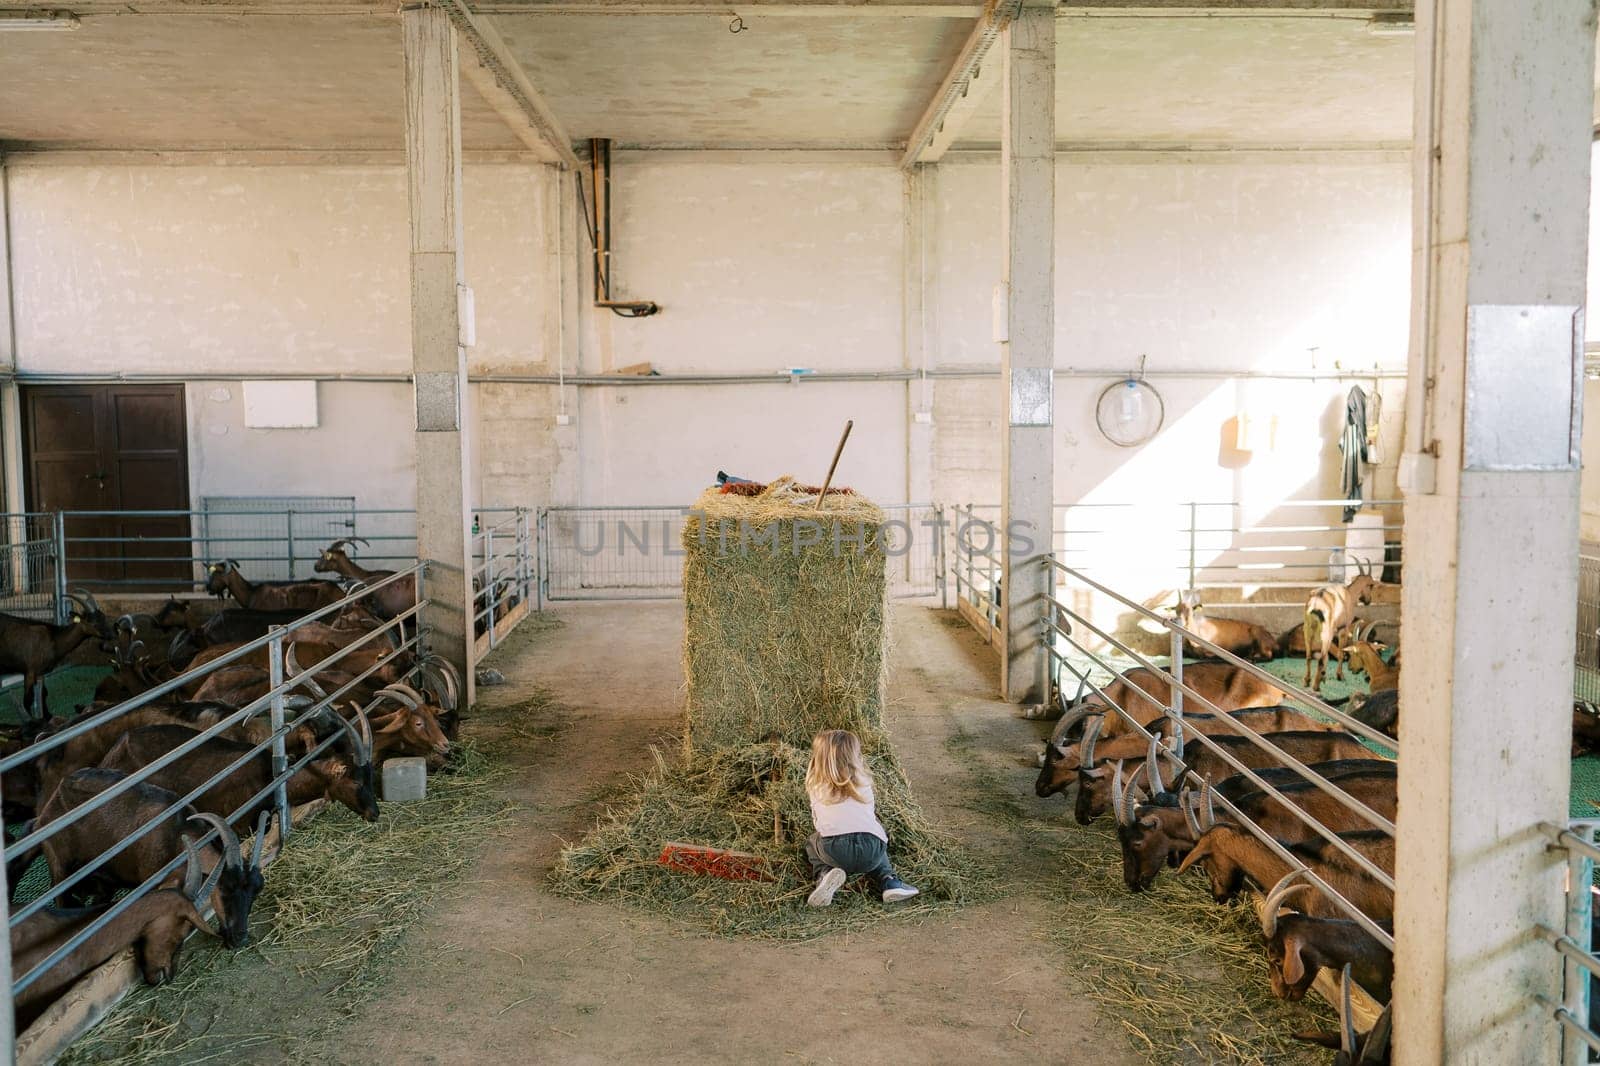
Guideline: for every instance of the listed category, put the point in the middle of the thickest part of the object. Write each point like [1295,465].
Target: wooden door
[108,449]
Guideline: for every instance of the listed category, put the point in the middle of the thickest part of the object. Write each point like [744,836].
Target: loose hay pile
[784,636]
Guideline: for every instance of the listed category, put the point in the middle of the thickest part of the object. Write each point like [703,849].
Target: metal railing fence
[1059,639]
[31,583]
[273,702]
[1586,655]
[1575,942]
[504,578]
[975,569]
[635,553]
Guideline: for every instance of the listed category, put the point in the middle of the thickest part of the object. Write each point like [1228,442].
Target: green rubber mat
[66,689]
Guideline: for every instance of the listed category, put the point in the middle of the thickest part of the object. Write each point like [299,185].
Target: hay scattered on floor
[726,799]
[330,923]
[1186,978]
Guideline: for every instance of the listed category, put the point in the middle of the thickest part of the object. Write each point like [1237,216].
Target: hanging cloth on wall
[1353,443]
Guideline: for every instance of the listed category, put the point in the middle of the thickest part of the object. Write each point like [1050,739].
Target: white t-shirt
[846,816]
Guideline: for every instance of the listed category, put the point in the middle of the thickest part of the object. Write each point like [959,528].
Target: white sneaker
[895,890]
[827,885]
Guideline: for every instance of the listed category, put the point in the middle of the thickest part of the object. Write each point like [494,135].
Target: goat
[1585,728]
[351,661]
[1244,639]
[1162,830]
[1145,694]
[393,599]
[243,684]
[1363,656]
[1299,946]
[1379,710]
[33,649]
[155,926]
[1307,746]
[1293,642]
[233,886]
[1330,612]
[1278,719]
[337,776]
[411,728]
[1232,855]
[302,596]
[1364,1049]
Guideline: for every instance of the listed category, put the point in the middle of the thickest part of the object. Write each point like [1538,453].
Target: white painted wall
[760,263]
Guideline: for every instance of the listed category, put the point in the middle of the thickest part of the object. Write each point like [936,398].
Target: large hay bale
[784,609]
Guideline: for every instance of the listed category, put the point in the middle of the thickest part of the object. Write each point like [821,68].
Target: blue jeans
[854,853]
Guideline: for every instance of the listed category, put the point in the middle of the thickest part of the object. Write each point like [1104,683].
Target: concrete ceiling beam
[487,63]
[962,89]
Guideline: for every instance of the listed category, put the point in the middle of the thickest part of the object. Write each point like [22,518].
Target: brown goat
[352,661]
[337,776]
[154,925]
[1261,719]
[1363,657]
[1145,694]
[1244,639]
[1160,832]
[1232,856]
[1299,946]
[388,601]
[231,889]
[1330,612]
[224,577]
[1307,746]
[33,648]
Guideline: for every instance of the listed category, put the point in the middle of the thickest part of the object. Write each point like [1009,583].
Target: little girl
[849,839]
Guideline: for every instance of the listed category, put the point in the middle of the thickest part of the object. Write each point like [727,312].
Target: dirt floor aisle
[507,972]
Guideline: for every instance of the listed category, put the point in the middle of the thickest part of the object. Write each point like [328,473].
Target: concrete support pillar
[917,245]
[10,397]
[1504,92]
[1027,494]
[439,366]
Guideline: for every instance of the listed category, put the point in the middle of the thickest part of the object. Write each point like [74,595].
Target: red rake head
[705,861]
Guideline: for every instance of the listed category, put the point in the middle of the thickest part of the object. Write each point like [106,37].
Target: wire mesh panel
[914,540]
[28,578]
[273,538]
[612,552]
[1586,672]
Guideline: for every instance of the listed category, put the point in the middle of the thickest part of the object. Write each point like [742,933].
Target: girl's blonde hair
[837,769]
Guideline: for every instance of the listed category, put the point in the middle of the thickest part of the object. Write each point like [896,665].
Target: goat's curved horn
[1189,802]
[226,837]
[292,668]
[1378,1038]
[408,690]
[192,878]
[126,623]
[359,742]
[1280,892]
[1210,807]
[1116,794]
[1091,733]
[86,596]
[1128,800]
[1347,1024]
[1153,767]
[452,679]
[261,839]
[404,695]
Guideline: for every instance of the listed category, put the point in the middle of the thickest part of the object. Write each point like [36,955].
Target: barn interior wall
[762,262]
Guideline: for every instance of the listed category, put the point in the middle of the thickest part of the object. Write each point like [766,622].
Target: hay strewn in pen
[1185,977]
[784,609]
[726,797]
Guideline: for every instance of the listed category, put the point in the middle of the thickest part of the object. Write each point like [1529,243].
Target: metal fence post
[8,1049]
[522,555]
[491,584]
[1580,876]
[1193,523]
[972,590]
[1048,670]
[1176,668]
[939,556]
[542,556]
[280,756]
[59,534]
[289,529]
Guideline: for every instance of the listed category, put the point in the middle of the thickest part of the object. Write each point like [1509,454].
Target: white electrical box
[280,405]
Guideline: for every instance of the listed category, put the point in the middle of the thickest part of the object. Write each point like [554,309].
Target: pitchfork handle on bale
[835,464]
